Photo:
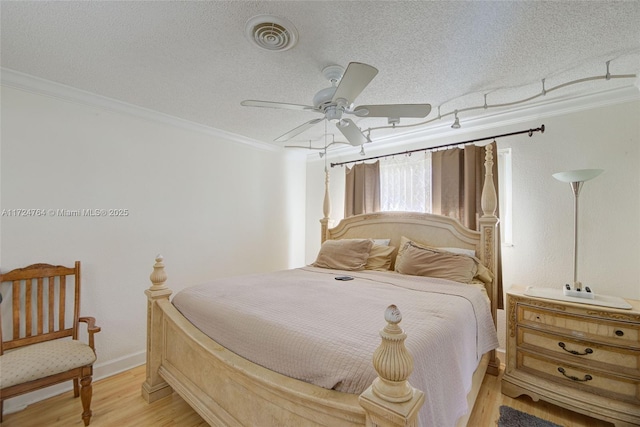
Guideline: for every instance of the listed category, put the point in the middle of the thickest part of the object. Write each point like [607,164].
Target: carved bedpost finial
[159,276]
[489,201]
[392,361]
[326,205]
[391,401]
[326,208]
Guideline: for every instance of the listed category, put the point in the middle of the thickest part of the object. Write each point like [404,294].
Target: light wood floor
[117,403]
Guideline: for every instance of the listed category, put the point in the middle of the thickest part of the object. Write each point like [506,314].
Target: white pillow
[381,242]
[461,251]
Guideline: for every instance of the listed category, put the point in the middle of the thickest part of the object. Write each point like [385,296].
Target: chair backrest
[45,304]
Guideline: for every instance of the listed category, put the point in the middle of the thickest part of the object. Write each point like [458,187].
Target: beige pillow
[346,254]
[420,261]
[379,258]
[483,274]
[404,240]
[403,244]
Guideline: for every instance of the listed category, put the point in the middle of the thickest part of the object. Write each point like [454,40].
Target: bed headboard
[435,230]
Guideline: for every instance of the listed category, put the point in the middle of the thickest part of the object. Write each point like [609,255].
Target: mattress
[306,325]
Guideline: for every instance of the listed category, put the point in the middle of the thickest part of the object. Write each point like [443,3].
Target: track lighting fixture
[486,105]
[362,153]
[456,122]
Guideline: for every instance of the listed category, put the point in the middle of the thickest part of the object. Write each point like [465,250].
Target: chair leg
[85,396]
[76,389]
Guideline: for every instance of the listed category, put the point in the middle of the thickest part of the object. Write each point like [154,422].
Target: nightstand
[582,357]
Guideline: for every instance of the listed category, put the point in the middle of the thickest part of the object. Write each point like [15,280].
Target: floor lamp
[576,178]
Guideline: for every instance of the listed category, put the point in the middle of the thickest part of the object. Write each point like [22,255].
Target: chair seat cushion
[41,360]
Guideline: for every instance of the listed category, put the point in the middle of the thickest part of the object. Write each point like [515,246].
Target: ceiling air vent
[271,33]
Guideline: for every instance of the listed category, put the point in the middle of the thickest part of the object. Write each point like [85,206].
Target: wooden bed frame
[227,390]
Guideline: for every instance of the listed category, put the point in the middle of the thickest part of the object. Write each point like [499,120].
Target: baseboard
[113,367]
[100,371]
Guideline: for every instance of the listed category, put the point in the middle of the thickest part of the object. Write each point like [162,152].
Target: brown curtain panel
[362,189]
[458,177]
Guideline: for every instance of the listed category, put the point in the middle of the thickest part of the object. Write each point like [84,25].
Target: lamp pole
[575,187]
[576,178]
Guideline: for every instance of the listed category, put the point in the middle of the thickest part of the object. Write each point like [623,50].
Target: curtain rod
[471,141]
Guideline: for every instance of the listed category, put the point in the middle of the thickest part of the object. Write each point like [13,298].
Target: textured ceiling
[192,60]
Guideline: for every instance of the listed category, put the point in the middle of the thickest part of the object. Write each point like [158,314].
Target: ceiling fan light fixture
[272,33]
[333,114]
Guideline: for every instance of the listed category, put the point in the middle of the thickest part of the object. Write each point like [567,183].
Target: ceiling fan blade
[355,79]
[352,132]
[297,131]
[393,110]
[281,105]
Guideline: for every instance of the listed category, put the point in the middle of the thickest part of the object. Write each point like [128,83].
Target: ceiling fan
[337,100]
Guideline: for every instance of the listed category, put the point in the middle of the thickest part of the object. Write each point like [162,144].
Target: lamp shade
[579,175]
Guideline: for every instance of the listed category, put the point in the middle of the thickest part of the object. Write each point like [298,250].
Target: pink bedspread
[304,324]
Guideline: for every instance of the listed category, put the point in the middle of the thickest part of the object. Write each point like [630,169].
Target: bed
[237,388]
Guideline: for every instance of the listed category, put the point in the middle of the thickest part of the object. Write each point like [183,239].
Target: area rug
[510,417]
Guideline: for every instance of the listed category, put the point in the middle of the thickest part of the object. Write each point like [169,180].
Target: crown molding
[500,118]
[28,83]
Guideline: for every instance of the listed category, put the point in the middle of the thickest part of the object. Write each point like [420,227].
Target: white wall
[605,137]
[212,207]
[609,217]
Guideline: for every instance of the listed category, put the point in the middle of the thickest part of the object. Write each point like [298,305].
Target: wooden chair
[44,349]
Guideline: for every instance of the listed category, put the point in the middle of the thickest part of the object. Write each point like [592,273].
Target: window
[405,183]
[505,196]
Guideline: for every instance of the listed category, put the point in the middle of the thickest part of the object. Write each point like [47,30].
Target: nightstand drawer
[590,380]
[581,327]
[617,360]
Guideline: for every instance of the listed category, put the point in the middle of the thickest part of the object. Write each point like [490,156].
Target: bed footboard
[155,387]
[228,390]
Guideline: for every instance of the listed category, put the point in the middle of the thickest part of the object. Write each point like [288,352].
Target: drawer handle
[571,377]
[619,333]
[577,353]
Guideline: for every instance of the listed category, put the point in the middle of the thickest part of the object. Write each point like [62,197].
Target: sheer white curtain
[405,183]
